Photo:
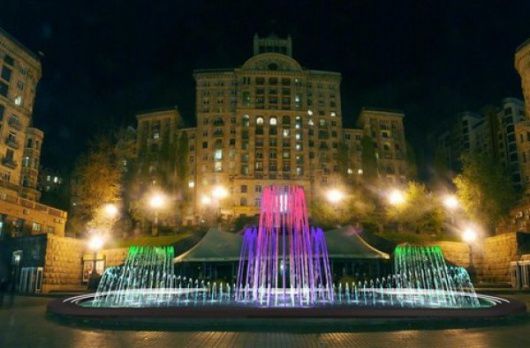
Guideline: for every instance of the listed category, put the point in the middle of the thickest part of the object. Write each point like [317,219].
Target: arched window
[246,120]
[259,121]
[273,121]
[286,120]
[218,144]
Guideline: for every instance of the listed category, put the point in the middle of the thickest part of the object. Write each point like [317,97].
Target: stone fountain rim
[63,308]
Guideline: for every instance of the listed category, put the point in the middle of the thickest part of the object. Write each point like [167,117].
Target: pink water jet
[284,261]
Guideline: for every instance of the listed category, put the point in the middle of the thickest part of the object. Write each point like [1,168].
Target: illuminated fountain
[284,259]
[284,265]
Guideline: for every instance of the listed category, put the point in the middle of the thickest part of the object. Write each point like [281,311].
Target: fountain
[284,270]
[284,259]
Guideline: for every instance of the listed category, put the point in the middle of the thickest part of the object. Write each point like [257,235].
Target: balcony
[11,142]
[9,162]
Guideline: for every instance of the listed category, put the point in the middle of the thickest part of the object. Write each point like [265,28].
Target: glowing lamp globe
[451,202]
[334,196]
[157,201]
[469,235]
[396,197]
[96,243]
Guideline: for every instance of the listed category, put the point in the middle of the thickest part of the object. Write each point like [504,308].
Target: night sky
[106,60]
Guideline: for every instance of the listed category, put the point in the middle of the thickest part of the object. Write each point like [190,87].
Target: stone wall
[456,253]
[493,257]
[63,264]
[114,257]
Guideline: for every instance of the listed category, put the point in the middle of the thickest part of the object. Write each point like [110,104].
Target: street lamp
[334,196]
[156,202]
[451,202]
[396,197]
[470,235]
[219,192]
[111,210]
[95,243]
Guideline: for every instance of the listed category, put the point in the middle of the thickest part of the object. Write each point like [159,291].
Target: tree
[484,190]
[352,209]
[368,159]
[420,212]
[96,181]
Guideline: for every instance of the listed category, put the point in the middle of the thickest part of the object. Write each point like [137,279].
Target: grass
[150,240]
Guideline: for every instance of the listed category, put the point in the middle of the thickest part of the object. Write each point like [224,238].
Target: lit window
[18,100]
[285,132]
[273,121]
[333,114]
[310,113]
[218,155]
[259,121]
[218,167]
[310,122]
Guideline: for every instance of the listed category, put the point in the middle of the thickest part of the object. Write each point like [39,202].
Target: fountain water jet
[284,259]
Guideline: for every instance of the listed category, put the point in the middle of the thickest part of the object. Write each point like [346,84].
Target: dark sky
[105,60]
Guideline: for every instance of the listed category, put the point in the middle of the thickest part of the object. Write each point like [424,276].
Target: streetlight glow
[206,200]
[111,210]
[96,242]
[157,201]
[396,197]
[451,202]
[219,192]
[334,196]
[469,235]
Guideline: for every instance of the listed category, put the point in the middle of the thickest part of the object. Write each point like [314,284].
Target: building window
[36,228]
[257,188]
[273,121]
[3,88]
[6,73]
[9,60]
[243,188]
[246,121]
[205,145]
[243,201]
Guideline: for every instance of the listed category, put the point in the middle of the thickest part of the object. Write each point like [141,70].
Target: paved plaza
[25,324]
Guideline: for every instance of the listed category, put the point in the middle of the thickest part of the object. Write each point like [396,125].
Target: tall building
[385,128]
[491,132]
[272,121]
[522,65]
[20,145]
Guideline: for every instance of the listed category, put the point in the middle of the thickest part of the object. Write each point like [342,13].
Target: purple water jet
[284,261]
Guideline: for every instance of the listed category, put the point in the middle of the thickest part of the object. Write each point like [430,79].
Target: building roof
[219,246]
[215,246]
[20,45]
[149,113]
[348,243]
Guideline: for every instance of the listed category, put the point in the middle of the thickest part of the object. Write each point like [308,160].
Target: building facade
[271,121]
[491,132]
[20,145]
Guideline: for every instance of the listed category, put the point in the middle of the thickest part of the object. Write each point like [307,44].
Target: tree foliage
[420,212]
[96,181]
[352,209]
[484,190]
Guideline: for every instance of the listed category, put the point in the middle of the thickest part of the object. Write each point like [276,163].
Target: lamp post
[469,236]
[95,244]
[156,202]
[219,193]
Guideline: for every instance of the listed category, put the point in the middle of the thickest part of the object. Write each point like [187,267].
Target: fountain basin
[236,315]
